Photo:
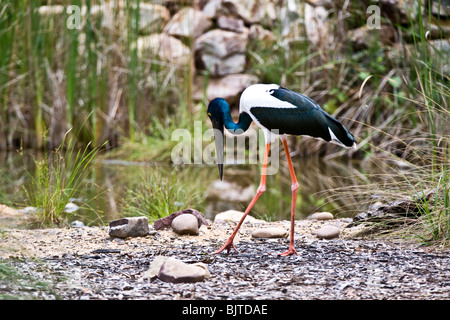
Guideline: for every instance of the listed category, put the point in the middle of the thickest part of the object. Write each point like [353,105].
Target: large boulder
[231,23]
[166,47]
[252,11]
[188,22]
[221,52]
[153,18]
[228,87]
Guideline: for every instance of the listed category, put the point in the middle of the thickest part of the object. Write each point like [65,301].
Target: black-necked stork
[275,109]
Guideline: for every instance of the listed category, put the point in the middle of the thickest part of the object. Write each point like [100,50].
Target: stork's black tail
[338,132]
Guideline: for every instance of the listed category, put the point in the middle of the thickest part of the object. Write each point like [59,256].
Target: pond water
[114,186]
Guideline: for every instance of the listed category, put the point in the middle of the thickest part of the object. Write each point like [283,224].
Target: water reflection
[324,186]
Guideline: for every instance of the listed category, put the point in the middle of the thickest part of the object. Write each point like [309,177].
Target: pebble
[321,216]
[185,224]
[328,232]
[271,232]
[77,224]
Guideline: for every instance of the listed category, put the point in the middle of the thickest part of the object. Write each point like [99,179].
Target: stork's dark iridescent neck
[220,115]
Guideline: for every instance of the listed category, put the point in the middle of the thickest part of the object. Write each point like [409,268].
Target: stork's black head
[216,109]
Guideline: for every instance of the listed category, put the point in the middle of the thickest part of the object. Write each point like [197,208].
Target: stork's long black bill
[218,138]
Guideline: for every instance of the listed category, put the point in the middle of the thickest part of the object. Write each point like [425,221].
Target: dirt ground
[85,263]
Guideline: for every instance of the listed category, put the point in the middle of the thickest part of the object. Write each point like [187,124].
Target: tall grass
[165,191]
[60,176]
[53,77]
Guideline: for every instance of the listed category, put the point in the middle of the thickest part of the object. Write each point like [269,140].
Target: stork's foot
[290,251]
[228,246]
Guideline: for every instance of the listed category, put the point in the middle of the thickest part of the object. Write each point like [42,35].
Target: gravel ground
[85,263]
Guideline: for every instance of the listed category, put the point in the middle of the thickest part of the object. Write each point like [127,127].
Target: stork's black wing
[304,118]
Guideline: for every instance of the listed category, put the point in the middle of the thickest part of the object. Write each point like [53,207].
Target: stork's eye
[209,114]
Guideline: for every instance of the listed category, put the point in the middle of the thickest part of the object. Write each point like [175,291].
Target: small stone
[270,232]
[176,271]
[71,207]
[185,224]
[167,221]
[233,216]
[321,216]
[328,232]
[77,224]
[129,227]
[30,210]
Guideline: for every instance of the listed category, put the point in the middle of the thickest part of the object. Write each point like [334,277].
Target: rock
[30,210]
[252,11]
[230,191]
[213,8]
[233,216]
[109,15]
[77,224]
[55,10]
[185,224]
[228,87]
[12,218]
[328,232]
[167,221]
[8,211]
[328,4]
[440,51]
[363,37]
[316,24]
[153,18]
[71,207]
[438,28]
[188,22]
[440,8]
[321,216]
[291,25]
[129,227]
[155,266]
[221,52]
[401,11]
[176,271]
[166,47]
[270,232]
[231,24]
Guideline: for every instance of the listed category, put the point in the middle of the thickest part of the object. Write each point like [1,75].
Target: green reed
[54,77]
[59,176]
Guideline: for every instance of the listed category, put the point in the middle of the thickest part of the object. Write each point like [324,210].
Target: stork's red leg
[294,189]
[262,187]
